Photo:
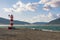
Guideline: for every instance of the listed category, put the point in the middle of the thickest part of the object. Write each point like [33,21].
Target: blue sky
[30,10]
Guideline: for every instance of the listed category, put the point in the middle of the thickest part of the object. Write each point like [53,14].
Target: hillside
[6,21]
[56,21]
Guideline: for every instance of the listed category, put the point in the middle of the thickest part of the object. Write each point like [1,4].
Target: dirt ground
[28,34]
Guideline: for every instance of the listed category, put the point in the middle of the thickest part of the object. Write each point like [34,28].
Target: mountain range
[56,21]
[6,21]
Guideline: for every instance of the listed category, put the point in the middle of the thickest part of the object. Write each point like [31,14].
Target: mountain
[40,23]
[56,21]
[6,21]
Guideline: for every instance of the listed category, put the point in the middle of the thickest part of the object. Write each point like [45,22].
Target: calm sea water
[36,27]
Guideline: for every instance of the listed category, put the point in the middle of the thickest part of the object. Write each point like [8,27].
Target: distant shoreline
[31,24]
[34,28]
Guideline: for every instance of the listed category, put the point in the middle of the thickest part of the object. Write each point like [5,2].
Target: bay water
[37,27]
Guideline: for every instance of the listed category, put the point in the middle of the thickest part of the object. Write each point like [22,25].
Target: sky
[30,10]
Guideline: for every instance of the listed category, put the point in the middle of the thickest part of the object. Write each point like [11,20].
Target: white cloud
[8,10]
[41,18]
[54,3]
[48,4]
[46,7]
[58,15]
[44,17]
[30,7]
[43,1]
[19,6]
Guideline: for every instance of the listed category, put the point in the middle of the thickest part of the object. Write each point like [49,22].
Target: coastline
[33,28]
[31,24]
[45,30]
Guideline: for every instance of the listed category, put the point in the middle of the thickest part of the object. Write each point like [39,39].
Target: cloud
[41,18]
[19,7]
[8,9]
[44,17]
[47,8]
[58,15]
[54,3]
[31,7]
[43,1]
[48,4]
